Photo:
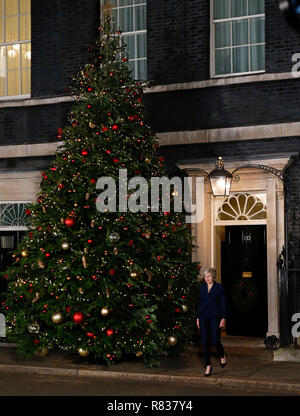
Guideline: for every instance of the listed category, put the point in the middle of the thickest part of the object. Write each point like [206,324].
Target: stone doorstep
[160,378]
[287,354]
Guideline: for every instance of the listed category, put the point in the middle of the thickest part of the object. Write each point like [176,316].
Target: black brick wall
[228,106]
[25,163]
[32,124]
[62,31]
[177,40]
[282,41]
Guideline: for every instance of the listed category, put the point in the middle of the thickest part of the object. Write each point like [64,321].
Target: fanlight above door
[242,207]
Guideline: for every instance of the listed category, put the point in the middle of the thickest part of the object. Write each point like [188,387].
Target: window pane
[12,29]
[130,42]
[238,8]
[256,6]
[25,28]
[141,46]
[131,65]
[140,18]
[26,75]
[257,57]
[223,61]
[13,82]
[11,7]
[221,9]
[140,1]
[240,32]
[240,59]
[126,19]
[1,29]
[26,55]
[2,87]
[7,241]
[24,6]
[13,57]
[2,64]
[222,35]
[257,30]
[142,69]
[125,2]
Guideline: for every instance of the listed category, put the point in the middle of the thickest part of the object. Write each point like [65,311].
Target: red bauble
[84,152]
[70,222]
[78,317]
[109,332]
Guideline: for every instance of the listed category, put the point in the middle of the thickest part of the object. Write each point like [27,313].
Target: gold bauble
[65,246]
[116,251]
[34,328]
[172,340]
[185,308]
[82,352]
[147,160]
[57,317]
[134,274]
[139,354]
[24,253]
[84,262]
[148,331]
[92,125]
[104,311]
[148,234]
[81,291]
[36,298]
[41,264]
[41,352]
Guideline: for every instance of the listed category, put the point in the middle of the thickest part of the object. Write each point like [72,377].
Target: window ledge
[24,101]
[221,81]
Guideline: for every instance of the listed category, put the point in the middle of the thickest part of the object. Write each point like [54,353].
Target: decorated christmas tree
[106,284]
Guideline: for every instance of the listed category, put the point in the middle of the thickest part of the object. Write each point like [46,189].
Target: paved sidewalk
[246,368]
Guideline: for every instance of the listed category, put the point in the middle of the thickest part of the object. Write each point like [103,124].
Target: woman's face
[209,278]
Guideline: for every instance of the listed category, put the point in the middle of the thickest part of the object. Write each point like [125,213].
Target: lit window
[15,47]
[130,18]
[238,37]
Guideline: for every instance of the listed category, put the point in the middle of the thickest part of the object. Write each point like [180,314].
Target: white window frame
[133,33]
[212,44]
[5,44]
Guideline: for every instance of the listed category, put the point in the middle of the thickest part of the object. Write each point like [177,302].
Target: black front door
[8,242]
[244,277]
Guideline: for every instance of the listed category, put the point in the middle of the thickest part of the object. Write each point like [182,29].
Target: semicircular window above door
[13,214]
[242,207]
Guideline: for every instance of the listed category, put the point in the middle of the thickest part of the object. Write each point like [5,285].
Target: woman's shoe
[223,364]
[208,374]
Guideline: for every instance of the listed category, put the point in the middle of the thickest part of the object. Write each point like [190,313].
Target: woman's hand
[222,323]
[198,323]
